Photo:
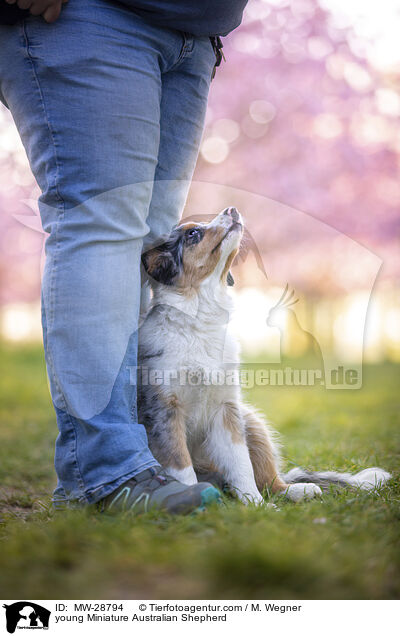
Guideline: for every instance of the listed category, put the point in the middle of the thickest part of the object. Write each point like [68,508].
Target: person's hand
[49,9]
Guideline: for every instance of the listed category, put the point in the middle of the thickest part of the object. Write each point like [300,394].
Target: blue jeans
[110,110]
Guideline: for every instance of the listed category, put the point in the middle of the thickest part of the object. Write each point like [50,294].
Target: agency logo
[26,615]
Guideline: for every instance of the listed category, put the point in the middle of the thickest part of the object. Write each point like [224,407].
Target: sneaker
[154,489]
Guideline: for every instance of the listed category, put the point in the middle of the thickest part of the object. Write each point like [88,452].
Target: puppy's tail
[368,479]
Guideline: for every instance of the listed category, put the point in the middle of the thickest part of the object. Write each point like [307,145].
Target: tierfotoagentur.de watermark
[245,378]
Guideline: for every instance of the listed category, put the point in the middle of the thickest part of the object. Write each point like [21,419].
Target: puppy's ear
[230,281]
[160,265]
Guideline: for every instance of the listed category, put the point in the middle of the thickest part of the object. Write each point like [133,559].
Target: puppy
[189,398]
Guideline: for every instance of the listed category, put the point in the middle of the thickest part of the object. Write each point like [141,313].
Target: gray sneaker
[154,489]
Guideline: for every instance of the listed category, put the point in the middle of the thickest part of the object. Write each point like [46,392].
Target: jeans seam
[54,269]
[31,60]
[56,162]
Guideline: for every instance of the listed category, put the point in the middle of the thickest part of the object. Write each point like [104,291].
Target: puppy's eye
[194,235]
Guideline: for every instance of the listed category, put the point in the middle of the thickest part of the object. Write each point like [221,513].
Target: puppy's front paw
[300,492]
[271,506]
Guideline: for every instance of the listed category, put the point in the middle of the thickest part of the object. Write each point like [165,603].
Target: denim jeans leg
[185,89]
[88,113]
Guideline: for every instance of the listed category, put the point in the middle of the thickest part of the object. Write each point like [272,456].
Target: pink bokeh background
[305,111]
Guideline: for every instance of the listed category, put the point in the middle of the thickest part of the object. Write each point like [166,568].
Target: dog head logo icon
[26,615]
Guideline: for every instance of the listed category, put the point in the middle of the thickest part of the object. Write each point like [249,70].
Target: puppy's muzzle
[233,214]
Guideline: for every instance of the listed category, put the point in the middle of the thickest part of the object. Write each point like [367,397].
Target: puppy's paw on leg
[301,492]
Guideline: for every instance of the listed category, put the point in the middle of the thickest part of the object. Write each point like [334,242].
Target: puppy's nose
[233,213]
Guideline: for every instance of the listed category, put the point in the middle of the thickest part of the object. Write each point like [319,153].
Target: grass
[345,546]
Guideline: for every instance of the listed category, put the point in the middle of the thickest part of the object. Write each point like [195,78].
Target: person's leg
[85,94]
[184,97]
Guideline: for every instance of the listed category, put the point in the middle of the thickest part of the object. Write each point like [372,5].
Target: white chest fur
[188,348]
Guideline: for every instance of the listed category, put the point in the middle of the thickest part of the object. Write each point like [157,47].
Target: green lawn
[345,546]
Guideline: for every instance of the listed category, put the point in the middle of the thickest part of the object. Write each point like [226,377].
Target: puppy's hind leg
[263,452]
[265,460]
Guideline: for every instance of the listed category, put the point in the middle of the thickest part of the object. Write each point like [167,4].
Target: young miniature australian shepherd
[195,425]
